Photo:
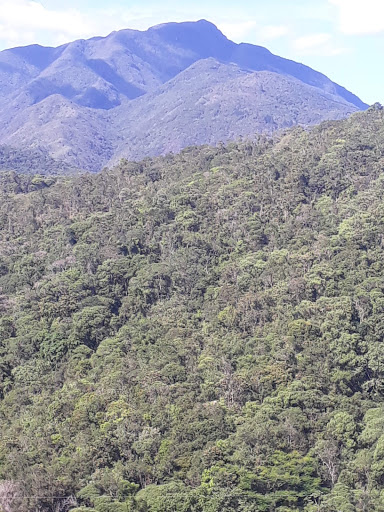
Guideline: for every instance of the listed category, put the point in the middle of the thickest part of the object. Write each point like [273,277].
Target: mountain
[134,94]
[192,110]
[198,332]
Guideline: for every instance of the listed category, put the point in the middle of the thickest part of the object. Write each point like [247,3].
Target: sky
[344,39]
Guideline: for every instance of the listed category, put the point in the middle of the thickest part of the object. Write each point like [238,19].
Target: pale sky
[343,39]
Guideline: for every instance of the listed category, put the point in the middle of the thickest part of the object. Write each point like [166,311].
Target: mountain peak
[202,37]
[202,24]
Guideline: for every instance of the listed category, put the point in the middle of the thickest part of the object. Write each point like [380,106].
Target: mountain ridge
[104,77]
[245,115]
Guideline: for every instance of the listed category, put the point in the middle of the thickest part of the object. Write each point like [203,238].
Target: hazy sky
[342,38]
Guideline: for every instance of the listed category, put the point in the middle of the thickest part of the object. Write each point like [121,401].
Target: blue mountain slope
[59,98]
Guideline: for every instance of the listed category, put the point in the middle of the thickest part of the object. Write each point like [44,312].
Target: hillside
[82,101]
[29,161]
[198,332]
[192,110]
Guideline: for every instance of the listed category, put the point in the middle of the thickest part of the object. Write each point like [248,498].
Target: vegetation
[28,161]
[200,332]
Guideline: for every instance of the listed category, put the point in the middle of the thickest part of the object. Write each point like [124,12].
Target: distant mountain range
[133,94]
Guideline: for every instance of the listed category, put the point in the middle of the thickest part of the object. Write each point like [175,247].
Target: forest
[199,332]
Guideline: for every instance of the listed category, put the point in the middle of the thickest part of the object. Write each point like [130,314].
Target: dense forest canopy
[200,332]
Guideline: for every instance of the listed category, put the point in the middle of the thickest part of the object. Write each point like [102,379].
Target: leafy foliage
[200,332]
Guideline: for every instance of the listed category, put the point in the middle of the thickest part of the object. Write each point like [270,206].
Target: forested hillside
[200,332]
[28,161]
